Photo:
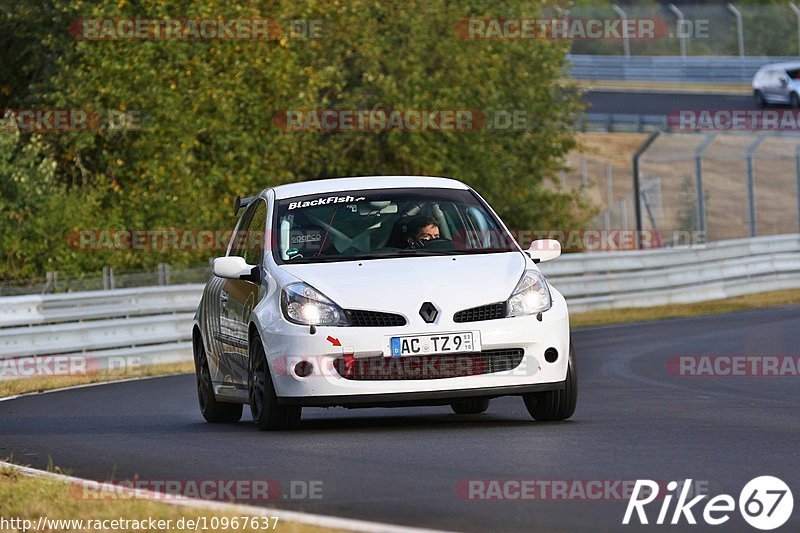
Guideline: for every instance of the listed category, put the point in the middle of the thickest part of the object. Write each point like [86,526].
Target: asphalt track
[634,420]
[661,103]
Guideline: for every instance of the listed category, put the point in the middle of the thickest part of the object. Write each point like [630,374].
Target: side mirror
[235,267]
[784,82]
[544,250]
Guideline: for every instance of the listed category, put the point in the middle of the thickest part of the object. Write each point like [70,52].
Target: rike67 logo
[765,503]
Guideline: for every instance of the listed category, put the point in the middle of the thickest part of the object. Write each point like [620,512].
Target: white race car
[379,291]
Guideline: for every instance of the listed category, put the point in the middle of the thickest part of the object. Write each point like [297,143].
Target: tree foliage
[209,104]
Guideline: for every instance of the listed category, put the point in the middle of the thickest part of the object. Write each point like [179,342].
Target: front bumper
[288,344]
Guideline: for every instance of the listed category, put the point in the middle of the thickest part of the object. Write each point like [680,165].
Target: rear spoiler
[240,203]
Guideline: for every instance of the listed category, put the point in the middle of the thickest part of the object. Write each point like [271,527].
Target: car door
[775,88]
[239,297]
[784,86]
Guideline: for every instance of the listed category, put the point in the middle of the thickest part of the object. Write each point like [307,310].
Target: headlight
[531,295]
[303,304]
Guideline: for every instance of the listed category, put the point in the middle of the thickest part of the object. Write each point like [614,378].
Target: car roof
[303,188]
[789,65]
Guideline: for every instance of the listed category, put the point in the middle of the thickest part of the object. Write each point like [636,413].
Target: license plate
[434,344]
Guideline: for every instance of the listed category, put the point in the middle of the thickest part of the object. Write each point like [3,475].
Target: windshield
[383,223]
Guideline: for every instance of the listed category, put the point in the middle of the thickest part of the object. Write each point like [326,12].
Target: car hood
[403,284]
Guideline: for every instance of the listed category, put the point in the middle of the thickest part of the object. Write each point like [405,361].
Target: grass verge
[744,89]
[711,307]
[29,498]
[12,387]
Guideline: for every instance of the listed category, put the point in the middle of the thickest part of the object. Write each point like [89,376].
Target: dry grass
[29,498]
[704,88]
[614,148]
[727,305]
[671,158]
[42,383]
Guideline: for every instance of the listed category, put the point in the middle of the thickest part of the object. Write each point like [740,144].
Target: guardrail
[691,69]
[626,122]
[148,325]
[154,323]
[677,275]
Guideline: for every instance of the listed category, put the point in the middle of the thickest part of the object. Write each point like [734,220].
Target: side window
[254,240]
[248,240]
[240,233]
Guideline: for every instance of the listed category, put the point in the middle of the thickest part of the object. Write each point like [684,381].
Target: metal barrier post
[626,47]
[698,168]
[50,283]
[636,186]
[797,13]
[584,172]
[751,183]
[108,278]
[163,274]
[623,210]
[609,194]
[797,170]
[679,29]
[739,28]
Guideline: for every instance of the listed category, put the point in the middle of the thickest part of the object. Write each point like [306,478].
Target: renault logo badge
[428,312]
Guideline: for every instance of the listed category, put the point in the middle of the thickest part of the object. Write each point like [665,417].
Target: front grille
[374,319]
[483,312]
[428,366]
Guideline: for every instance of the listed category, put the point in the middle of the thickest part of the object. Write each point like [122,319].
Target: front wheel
[759,99]
[556,404]
[794,101]
[470,407]
[267,414]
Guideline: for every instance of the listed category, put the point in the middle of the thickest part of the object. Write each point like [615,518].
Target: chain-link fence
[687,29]
[750,187]
[53,282]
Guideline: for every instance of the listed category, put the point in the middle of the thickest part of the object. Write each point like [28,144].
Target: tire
[794,101]
[213,410]
[556,404]
[470,407]
[761,102]
[267,414]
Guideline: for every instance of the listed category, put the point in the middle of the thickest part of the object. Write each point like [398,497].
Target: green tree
[210,104]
